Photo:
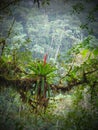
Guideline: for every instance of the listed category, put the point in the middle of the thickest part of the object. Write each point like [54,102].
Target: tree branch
[4,40]
[73,83]
[8,4]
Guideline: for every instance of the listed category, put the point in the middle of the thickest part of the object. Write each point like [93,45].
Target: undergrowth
[65,112]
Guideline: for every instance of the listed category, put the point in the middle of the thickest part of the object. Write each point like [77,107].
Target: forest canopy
[49,65]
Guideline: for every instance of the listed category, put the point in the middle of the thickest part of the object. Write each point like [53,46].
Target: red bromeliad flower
[45,58]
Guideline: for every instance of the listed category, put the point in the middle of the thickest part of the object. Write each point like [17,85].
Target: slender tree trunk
[58,49]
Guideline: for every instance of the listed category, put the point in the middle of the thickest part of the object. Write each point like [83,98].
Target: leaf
[43,85]
[48,90]
[37,85]
[95,52]
[84,52]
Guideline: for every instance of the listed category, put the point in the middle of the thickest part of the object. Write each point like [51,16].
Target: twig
[4,41]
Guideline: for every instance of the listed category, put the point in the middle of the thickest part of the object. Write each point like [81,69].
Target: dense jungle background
[48,65]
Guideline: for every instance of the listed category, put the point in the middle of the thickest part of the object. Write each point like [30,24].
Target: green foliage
[42,72]
[77,8]
[80,109]
[41,69]
[90,18]
[78,69]
[45,2]
[10,104]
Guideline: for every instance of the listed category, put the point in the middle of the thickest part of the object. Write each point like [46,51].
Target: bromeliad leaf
[40,69]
